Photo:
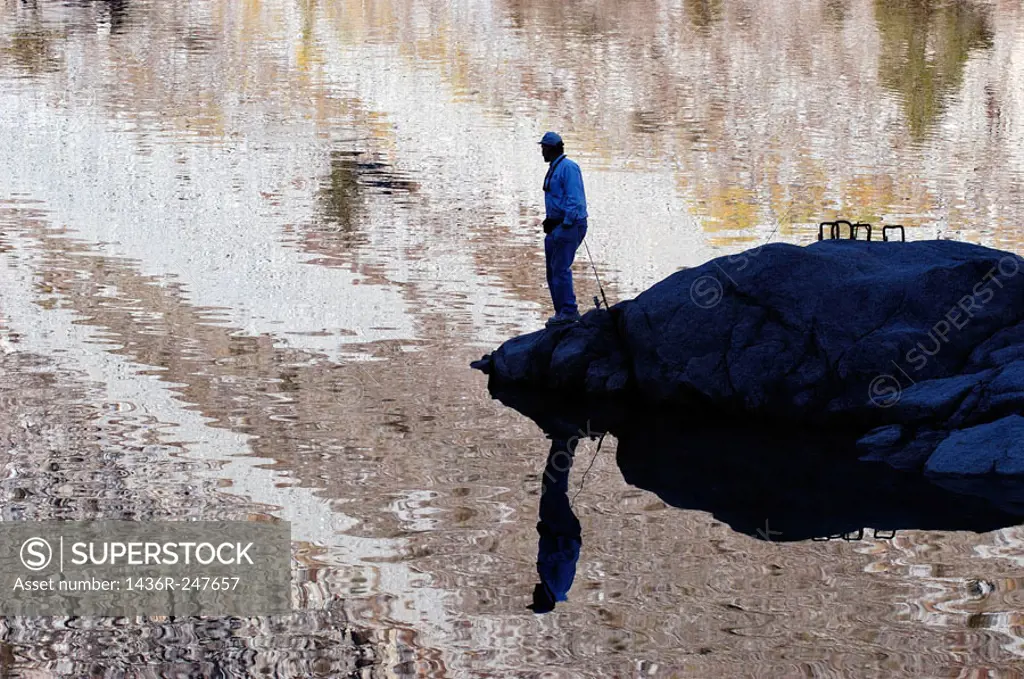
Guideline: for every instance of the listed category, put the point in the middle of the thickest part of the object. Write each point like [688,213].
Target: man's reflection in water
[558,549]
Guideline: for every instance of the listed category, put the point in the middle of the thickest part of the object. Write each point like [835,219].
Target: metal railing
[853,230]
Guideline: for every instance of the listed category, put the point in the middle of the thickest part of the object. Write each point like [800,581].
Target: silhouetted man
[566,225]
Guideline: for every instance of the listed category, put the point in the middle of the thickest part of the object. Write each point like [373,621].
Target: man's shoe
[561,319]
[543,601]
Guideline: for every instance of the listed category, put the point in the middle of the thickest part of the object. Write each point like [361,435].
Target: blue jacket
[564,197]
[558,550]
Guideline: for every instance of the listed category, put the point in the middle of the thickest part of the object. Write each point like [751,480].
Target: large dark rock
[906,344]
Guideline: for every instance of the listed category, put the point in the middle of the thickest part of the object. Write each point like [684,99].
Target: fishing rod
[594,268]
[597,305]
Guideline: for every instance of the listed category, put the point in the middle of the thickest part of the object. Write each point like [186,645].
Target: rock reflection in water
[774,485]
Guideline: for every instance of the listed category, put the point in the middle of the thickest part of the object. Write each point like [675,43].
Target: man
[565,226]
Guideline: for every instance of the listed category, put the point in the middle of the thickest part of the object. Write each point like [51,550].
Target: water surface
[249,249]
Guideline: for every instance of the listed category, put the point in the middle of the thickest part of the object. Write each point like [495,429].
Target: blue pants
[558,550]
[559,251]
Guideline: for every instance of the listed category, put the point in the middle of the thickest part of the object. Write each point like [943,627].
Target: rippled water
[248,249]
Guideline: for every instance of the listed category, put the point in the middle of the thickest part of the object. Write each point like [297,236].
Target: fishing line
[583,479]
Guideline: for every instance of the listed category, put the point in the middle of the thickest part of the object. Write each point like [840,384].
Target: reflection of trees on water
[70,459]
[703,13]
[339,196]
[342,199]
[925,45]
[29,46]
[32,51]
[115,11]
[836,11]
[670,77]
[33,44]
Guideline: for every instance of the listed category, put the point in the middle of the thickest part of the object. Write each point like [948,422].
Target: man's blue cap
[550,139]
